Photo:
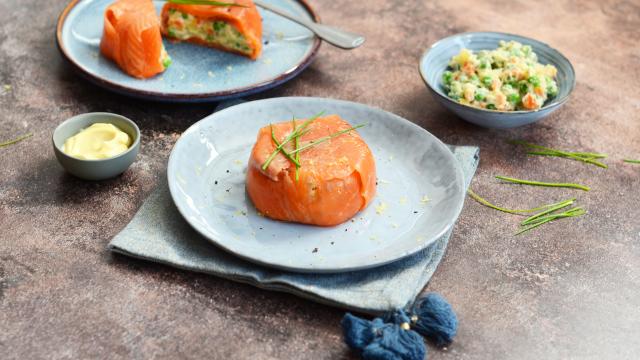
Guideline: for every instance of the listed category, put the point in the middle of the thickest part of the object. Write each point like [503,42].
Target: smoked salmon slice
[132,38]
[236,29]
[336,178]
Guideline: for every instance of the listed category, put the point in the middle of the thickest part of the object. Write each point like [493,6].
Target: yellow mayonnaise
[98,141]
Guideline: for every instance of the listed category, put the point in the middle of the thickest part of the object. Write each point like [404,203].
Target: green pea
[479,97]
[534,80]
[166,62]
[446,77]
[218,25]
[487,81]
[185,16]
[523,87]
[491,106]
[513,98]
[484,65]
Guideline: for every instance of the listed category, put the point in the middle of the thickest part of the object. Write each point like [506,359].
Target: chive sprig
[16,140]
[543,214]
[542,183]
[296,133]
[205,2]
[486,203]
[586,157]
[547,214]
[315,142]
[573,212]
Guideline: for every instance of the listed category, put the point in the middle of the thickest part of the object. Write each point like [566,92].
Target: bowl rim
[554,103]
[134,145]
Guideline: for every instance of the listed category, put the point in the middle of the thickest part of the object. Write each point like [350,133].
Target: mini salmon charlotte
[334,178]
[236,28]
[132,38]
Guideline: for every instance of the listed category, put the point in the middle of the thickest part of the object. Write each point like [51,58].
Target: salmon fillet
[337,178]
[132,38]
[230,28]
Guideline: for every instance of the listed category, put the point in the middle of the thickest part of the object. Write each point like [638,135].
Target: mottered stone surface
[569,290]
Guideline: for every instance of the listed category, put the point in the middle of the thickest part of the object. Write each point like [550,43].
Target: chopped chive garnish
[296,144]
[18,139]
[541,183]
[631,161]
[204,2]
[586,157]
[486,203]
[315,142]
[284,152]
[297,133]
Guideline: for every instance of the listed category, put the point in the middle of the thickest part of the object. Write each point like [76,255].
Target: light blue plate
[198,73]
[436,59]
[206,176]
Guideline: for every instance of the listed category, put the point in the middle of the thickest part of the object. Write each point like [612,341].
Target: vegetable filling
[165,59]
[506,79]
[183,26]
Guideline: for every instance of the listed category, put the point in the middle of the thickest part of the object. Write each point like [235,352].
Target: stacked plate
[419,196]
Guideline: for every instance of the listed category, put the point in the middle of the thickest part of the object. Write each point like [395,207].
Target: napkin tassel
[393,337]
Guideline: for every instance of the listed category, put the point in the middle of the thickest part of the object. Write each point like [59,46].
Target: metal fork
[334,36]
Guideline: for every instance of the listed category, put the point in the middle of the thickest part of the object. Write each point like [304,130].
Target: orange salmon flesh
[337,178]
[132,39]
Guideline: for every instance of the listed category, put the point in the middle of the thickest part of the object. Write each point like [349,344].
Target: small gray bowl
[436,59]
[95,169]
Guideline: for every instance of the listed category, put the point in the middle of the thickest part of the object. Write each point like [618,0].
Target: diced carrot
[468,68]
[529,102]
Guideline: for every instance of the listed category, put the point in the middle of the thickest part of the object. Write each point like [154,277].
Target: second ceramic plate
[197,73]
[419,196]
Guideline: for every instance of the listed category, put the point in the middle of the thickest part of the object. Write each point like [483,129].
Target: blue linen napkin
[158,233]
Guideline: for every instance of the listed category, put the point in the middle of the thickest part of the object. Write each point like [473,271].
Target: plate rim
[322,270]
[173,97]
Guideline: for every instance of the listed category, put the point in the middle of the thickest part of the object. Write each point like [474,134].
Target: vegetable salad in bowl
[505,79]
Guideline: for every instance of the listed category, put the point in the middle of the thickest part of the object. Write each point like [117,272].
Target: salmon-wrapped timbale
[132,38]
[236,28]
[336,178]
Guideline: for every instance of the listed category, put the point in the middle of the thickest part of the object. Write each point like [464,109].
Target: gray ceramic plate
[206,176]
[197,73]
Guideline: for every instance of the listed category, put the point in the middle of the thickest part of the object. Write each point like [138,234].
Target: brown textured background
[570,290]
